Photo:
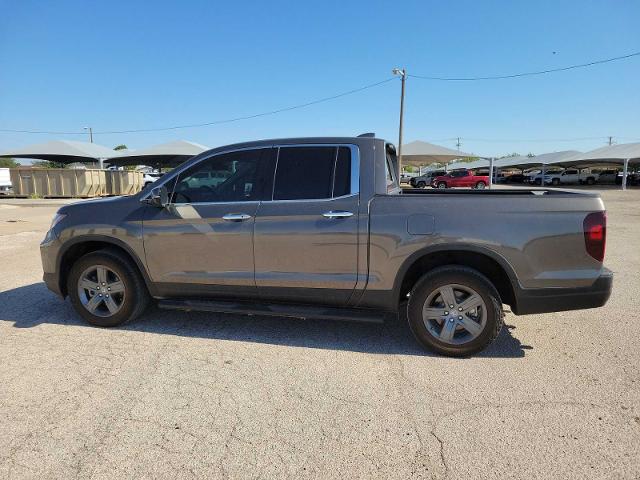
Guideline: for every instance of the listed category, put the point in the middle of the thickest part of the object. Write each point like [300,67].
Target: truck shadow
[32,305]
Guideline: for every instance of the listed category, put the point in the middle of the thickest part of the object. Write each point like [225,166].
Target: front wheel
[454,311]
[481,185]
[106,289]
[422,184]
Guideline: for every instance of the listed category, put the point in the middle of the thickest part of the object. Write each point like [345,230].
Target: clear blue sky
[130,64]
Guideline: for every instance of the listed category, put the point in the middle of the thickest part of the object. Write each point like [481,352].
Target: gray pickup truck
[318,227]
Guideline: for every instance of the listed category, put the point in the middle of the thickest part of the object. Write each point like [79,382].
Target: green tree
[122,146]
[468,159]
[48,164]
[8,163]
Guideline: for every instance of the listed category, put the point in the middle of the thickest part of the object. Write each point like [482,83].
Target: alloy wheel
[101,291]
[454,314]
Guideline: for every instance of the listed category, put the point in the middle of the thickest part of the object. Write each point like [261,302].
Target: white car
[608,176]
[150,177]
[5,182]
[570,176]
[550,178]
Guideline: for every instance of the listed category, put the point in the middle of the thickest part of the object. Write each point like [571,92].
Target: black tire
[555,182]
[480,185]
[468,277]
[422,184]
[136,297]
[591,181]
[442,185]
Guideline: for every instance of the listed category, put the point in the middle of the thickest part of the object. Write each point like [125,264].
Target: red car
[461,178]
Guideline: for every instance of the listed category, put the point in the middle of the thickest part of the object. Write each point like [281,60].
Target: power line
[333,97]
[516,140]
[525,74]
[215,122]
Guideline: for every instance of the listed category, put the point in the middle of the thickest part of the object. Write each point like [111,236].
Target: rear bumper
[545,300]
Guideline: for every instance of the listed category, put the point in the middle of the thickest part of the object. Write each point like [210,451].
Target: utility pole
[402,73]
[90,133]
[458,144]
[610,140]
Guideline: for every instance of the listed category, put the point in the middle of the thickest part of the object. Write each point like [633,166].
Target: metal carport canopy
[619,154]
[169,154]
[481,163]
[524,162]
[424,153]
[611,154]
[63,151]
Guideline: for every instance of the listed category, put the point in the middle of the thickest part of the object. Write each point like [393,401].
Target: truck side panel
[538,236]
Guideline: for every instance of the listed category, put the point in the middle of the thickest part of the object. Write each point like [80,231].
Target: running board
[274,309]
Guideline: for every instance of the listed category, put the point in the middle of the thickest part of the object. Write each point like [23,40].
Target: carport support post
[101,163]
[491,160]
[624,174]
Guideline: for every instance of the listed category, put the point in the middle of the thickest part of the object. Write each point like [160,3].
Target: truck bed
[501,191]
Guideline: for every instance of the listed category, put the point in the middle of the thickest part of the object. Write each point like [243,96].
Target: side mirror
[158,197]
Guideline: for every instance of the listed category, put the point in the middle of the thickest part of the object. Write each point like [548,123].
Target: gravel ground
[177,395]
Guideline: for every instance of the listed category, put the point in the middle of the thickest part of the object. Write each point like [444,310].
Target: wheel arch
[80,246]
[487,262]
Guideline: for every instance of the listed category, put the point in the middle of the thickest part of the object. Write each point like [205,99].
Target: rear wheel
[591,181]
[455,311]
[422,184]
[555,182]
[442,185]
[106,290]
[480,185]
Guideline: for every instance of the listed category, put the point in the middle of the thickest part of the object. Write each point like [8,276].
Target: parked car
[573,176]
[460,178]
[515,178]
[632,178]
[425,179]
[150,177]
[319,227]
[405,177]
[5,182]
[608,177]
[550,177]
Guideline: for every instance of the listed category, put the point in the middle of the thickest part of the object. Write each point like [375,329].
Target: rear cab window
[391,170]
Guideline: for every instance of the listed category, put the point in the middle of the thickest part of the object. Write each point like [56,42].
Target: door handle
[236,217]
[337,214]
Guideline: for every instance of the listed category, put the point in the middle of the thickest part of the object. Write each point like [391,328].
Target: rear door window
[312,173]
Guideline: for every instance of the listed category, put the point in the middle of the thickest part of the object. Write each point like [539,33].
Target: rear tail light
[595,234]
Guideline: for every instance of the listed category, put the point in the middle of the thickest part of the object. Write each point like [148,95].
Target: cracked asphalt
[186,395]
